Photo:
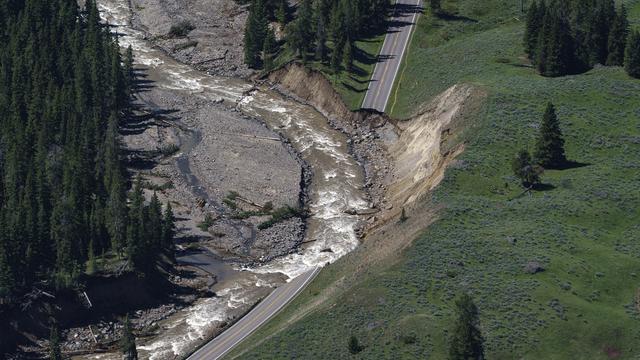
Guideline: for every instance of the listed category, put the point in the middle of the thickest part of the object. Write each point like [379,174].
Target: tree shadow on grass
[543,187]
[354,89]
[455,17]
[570,164]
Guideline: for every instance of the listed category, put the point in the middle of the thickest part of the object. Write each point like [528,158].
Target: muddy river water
[335,187]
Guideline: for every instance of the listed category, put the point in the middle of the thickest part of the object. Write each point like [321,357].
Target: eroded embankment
[403,160]
[415,156]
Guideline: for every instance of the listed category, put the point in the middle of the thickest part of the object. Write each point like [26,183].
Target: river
[336,186]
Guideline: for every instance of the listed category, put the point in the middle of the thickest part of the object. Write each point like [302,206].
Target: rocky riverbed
[203,33]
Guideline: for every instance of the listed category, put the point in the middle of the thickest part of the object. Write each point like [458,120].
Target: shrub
[206,223]
[181,29]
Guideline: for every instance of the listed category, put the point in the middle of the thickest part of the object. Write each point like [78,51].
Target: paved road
[402,22]
[264,311]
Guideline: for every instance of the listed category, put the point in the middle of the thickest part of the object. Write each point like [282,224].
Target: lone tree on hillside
[528,173]
[632,55]
[549,151]
[467,342]
[354,345]
[54,344]
[128,342]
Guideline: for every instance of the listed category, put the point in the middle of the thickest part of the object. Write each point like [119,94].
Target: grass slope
[352,86]
[585,229]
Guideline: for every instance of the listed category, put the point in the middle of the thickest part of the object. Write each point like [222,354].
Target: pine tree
[618,38]
[336,59]
[435,6]
[632,55]
[270,50]
[91,263]
[467,342]
[168,228]
[354,345]
[337,28]
[128,342]
[549,151]
[321,31]
[347,56]
[154,225]
[282,11]
[117,215]
[525,170]
[128,69]
[255,33]
[535,17]
[556,54]
[61,76]
[54,344]
[301,36]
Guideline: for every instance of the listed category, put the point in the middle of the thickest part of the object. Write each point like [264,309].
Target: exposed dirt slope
[313,88]
[417,156]
[420,161]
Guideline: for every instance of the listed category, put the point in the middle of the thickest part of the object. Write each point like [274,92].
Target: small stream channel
[336,186]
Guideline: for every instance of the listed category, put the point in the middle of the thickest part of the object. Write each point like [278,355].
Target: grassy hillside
[584,229]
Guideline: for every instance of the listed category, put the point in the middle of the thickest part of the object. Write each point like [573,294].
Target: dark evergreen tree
[54,344]
[535,17]
[336,59]
[168,228]
[566,37]
[632,55]
[467,342]
[354,345]
[282,11]
[255,33]
[301,36]
[153,225]
[64,90]
[320,15]
[556,54]
[270,50]
[618,38]
[435,6]
[128,341]
[138,245]
[347,56]
[549,152]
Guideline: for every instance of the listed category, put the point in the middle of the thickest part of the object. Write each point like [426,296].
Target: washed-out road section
[401,24]
[264,311]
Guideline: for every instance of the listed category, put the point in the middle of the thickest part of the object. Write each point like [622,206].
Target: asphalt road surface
[403,19]
[264,311]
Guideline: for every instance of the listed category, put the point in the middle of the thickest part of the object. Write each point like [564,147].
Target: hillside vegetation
[582,229]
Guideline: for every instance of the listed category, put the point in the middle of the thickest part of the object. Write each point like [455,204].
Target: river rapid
[336,186]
